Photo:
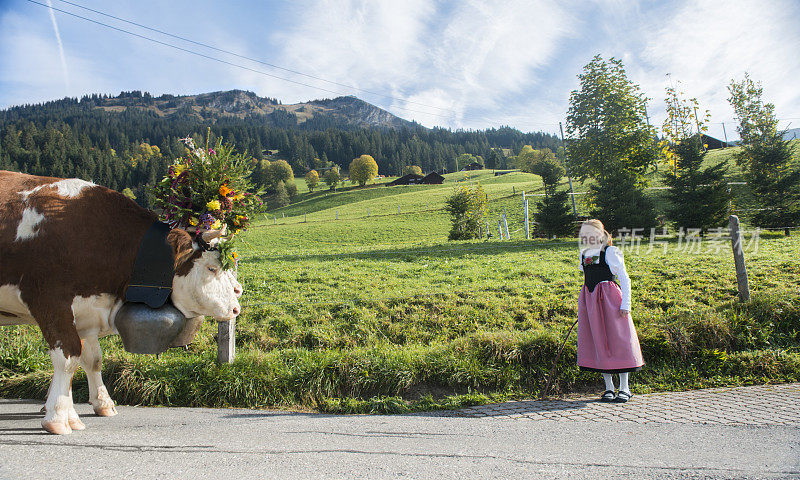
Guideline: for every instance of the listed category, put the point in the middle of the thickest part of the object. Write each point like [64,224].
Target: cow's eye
[212,269]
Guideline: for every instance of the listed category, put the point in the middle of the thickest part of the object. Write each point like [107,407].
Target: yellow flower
[216,225]
[213,205]
[178,169]
[193,221]
[238,196]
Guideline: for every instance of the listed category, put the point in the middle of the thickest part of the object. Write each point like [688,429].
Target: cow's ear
[181,243]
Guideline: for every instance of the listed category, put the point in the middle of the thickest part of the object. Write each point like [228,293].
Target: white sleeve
[580,261]
[617,265]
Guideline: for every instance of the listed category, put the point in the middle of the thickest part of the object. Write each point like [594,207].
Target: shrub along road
[717,437]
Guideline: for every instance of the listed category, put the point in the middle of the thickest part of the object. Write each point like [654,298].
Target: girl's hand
[624,312]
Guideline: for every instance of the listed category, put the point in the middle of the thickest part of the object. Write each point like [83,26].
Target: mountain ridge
[344,111]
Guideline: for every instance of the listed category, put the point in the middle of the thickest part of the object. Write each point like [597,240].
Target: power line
[209,57]
[228,52]
[261,72]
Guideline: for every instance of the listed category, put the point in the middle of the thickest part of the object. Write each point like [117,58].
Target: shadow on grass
[442,251]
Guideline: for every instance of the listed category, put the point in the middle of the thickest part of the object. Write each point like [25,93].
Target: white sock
[609,381]
[623,382]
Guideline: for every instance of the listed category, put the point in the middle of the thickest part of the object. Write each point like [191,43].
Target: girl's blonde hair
[599,225]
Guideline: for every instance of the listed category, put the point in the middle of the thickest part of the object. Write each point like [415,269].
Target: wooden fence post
[738,258]
[226,341]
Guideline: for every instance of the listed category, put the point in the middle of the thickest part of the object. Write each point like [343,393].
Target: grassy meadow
[379,312]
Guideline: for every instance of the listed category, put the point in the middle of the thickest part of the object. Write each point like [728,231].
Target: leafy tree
[312,179]
[332,178]
[467,208]
[609,139]
[278,171]
[416,170]
[767,161]
[543,163]
[363,169]
[698,198]
[281,197]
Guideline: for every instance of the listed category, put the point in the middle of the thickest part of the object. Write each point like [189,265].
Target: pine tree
[770,170]
[698,198]
[554,215]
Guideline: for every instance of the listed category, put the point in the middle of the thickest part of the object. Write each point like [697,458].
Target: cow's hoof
[76,424]
[57,427]
[105,410]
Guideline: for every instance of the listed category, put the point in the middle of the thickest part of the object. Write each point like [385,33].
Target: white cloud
[704,44]
[462,60]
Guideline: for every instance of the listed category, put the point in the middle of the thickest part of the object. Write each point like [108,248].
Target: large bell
[148,330]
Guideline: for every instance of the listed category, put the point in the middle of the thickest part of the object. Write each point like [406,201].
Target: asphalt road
[144,443]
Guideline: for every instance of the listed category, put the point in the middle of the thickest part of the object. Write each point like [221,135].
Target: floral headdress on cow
[209,190]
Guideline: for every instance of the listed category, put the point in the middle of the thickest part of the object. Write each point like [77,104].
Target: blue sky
[464,64]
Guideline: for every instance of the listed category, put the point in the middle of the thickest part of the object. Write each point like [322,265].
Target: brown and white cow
[67,250]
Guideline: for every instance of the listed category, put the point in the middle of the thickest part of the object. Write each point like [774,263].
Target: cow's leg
[58,408]
[75,422]
[91,360]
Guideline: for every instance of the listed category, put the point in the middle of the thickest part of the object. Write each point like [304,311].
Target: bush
[281,195]
[291,189]
[467,207]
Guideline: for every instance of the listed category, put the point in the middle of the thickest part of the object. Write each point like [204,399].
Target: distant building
[714,143]
[433,178]
[414,179]
[473,166]
[410,179]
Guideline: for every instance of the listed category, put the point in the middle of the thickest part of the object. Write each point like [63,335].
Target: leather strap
[154,268]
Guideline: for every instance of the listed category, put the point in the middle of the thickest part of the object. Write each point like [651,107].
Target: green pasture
[381,313]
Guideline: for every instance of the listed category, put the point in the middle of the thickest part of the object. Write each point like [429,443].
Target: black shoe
[607,396]
[623,397]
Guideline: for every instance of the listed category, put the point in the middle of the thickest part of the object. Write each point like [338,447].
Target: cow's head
[201,286]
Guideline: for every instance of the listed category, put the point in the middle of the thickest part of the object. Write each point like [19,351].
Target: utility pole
[725,133]
[569,177]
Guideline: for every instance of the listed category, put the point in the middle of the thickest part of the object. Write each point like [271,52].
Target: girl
[607,340]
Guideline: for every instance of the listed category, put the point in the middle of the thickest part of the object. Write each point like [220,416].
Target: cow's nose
[235,311]
[237,291]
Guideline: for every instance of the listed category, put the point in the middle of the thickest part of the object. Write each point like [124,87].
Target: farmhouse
[410,179]
[433,178]
[473,166]
[414,179]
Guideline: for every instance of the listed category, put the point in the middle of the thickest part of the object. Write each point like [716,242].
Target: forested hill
[109,139]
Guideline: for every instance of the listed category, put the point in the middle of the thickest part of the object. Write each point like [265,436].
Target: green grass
[382,314]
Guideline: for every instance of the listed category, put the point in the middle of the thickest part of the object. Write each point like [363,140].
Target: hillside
[355,302]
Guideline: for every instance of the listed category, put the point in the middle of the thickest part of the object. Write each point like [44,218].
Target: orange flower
[224,190]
